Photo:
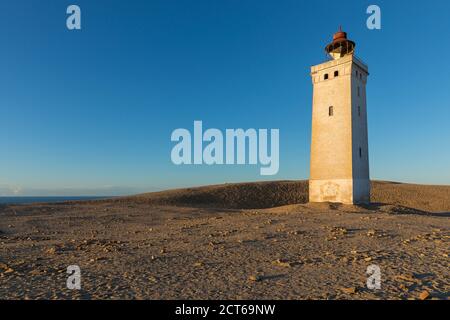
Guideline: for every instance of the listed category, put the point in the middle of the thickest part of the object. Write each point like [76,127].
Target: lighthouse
[339,168]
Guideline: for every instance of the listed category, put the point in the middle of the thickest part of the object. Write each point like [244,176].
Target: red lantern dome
[340,46]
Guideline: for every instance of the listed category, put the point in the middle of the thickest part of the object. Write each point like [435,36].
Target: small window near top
[359,93]
[360,76]
[325,77]
[330,111]
[356,72]
[360,152]
[336,73]
[359,111]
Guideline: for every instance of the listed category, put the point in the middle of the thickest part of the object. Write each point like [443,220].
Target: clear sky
[91,112]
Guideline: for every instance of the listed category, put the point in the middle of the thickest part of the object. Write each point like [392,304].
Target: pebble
[424,295]
[281,263]
[351,290]
[406,277]
[255,278]
[51,250]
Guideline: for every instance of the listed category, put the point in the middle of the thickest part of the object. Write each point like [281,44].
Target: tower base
[347,191]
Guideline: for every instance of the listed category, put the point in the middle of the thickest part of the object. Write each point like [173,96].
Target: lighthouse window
[325,77]
[360,152]
[359,110]
[336,73]
[358,92]
[356,73]
[330,111]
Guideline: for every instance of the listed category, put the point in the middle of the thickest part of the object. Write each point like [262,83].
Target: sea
[24,200]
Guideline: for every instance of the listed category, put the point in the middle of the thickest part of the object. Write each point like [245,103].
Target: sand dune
[271,194]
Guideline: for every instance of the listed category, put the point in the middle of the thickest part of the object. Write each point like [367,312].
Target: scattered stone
[198,264]
[368,259]
[9,270]
[424,295]
[371,233]
[255,278]
[351,290]
[281,263]
[406,277]
[338,231]
[51,250]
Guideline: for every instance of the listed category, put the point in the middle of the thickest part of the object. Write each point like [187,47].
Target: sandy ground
[197,244]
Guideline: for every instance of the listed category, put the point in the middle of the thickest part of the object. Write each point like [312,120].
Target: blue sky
[91,112]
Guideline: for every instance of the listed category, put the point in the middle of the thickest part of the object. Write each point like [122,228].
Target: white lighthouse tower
[339,142]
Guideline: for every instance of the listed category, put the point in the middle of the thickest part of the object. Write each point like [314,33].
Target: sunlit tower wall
[339,141]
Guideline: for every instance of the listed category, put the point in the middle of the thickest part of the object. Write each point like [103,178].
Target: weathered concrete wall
[331,190]
[361,184]
[336,139]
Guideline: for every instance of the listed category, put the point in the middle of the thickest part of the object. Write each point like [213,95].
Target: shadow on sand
[399,209]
